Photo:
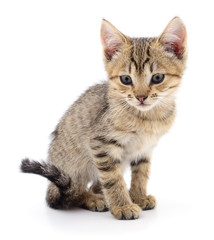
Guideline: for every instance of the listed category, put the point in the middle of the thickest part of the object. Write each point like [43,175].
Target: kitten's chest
[138,137]
[139,144]
[141,140]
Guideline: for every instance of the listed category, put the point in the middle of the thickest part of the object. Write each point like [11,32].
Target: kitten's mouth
[144,104]
[141,106]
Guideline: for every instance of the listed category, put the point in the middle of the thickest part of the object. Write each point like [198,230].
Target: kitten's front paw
[146,202]
[126,212]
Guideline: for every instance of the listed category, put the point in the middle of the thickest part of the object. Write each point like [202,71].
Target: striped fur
[108,128]
[51,172]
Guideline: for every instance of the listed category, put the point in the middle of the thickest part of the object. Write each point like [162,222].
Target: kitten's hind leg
[96,188]
[92,202]
[58,200]
[66,200]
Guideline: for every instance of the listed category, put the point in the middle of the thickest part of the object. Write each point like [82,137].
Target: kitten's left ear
[174,37]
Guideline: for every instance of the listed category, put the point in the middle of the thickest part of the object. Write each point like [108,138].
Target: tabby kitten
[116,123]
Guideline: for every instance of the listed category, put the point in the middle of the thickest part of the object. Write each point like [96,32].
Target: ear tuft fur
[174,37]
[111,39]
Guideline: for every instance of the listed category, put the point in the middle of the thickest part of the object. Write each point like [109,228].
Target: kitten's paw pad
[147,202]
[127,212]
[96,203]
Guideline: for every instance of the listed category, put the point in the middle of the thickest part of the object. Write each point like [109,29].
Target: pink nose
[141,98]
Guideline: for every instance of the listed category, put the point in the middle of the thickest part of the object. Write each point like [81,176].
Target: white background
[50,52]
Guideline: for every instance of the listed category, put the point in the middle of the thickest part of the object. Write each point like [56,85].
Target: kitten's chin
[141,107]
[144,107]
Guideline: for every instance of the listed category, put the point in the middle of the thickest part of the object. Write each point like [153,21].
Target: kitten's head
[145,72]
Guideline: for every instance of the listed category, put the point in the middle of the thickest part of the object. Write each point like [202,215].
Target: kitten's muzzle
[141,99]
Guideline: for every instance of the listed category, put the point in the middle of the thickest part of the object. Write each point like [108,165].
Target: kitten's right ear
[111,39]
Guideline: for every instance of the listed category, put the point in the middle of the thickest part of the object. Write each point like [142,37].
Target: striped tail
[51,172]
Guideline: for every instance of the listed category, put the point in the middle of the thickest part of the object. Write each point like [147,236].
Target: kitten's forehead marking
[140,53]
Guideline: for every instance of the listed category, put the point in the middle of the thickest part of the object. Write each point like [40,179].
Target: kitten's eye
[126,80]
[157,78]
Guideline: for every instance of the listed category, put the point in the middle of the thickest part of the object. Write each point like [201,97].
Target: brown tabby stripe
[103,140]
[148,51]
[130,68]
[102,164]
[135,63]
[101,113]
[173,75]
[107,168]
[133,60]
[147,59]
[151,67]
[109,184]
[108,165]
[112,77]
[101,155]
[143,160]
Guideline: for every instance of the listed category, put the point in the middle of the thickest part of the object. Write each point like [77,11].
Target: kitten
[116,123]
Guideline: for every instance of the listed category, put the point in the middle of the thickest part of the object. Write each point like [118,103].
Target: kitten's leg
[114,188]
[58,199]
[64,199]
[140,175]
[92,202]
[75,197]
[96,188]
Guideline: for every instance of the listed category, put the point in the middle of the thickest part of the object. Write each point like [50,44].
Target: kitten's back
[72,133]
